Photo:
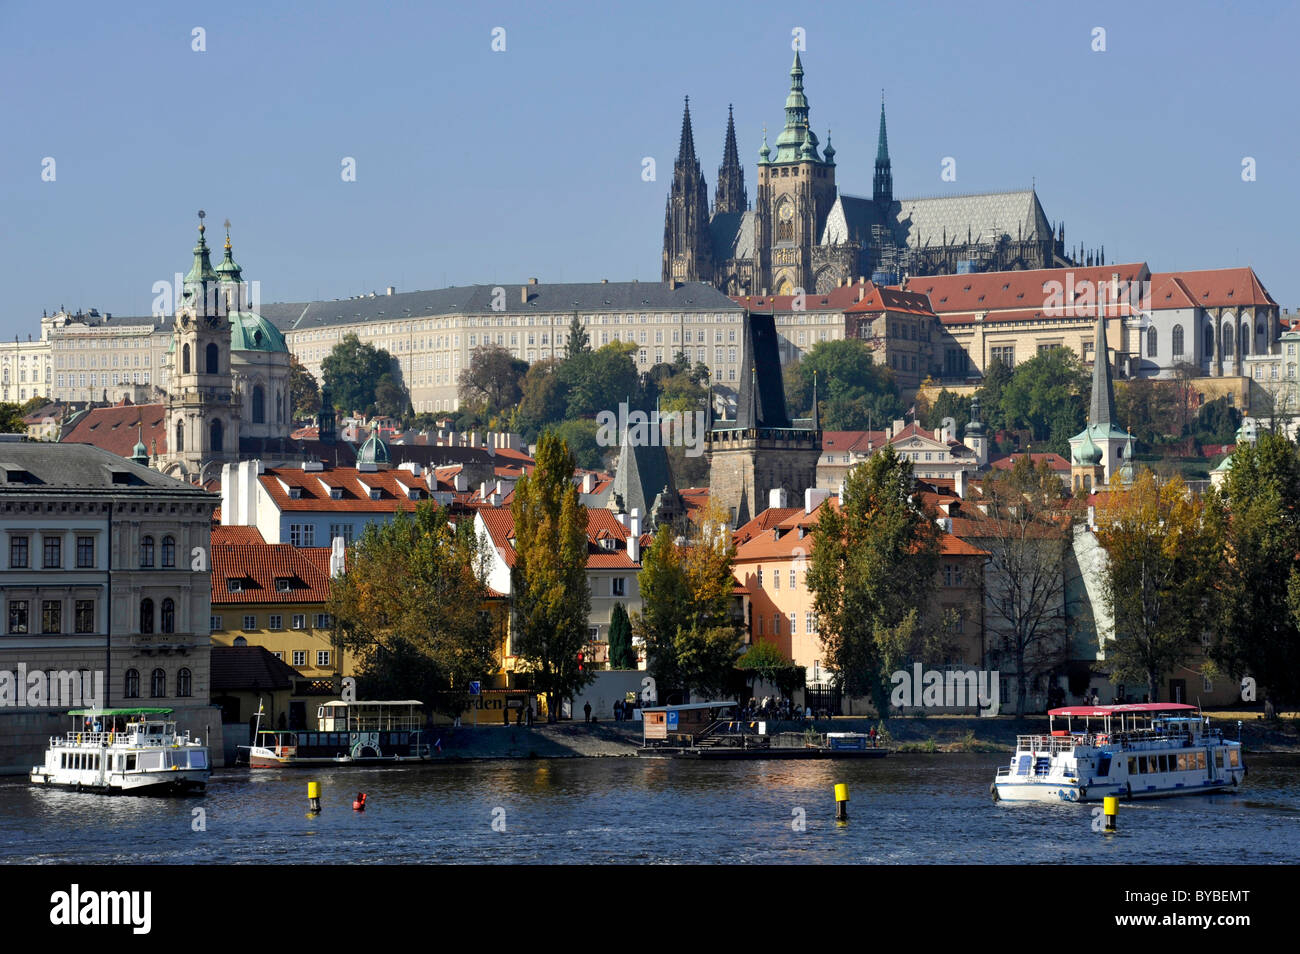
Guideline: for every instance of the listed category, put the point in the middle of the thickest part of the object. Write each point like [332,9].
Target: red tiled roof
[257,567]
[248,667]
[601,525]
[766,520]
[880,299]
[1054,461]
[222,534]
[1209,288]
[393,485]
[116,429]
[844,442]
[1020,295]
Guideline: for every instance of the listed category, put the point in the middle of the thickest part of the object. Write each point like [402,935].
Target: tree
[552,598]
[1164,547]
[1048,396]
[580,437]
[854,391]
[494,379]
[1149,408]
[997,376]
[1260,624]
[579,341]
[544,397]
[11,419]
[1217,422]
[686,620]
[621,653]
[600,380]
[765,662]
[391,399]
[873,566]
[411,605]
[304,392]
[351,371]
[1185,374]
[1027,532]
[946,404]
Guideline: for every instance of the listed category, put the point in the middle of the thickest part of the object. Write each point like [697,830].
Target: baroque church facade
[801,232]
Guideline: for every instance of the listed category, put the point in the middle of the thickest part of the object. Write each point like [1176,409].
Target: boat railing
[80,739]
[1049,744]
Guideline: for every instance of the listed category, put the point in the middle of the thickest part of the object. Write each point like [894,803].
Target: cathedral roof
[252,332]
[733,235]
[543,298]
[987,216]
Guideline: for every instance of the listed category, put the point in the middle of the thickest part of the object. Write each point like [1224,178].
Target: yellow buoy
[1110,808]
[841,802]
[313,796]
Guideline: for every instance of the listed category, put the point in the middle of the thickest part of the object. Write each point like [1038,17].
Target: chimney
[621,518]
[483,491]
[460,482]
[523,294]
[812,499]
[959,483]
[392,289]
[777,497]
[532,281]
[588,482]
[604,281]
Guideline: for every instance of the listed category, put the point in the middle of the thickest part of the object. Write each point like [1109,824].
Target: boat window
[1103,766]
[1234,757]
[1151,763]
[1200,760]
[130,763]
[1132,766]
[1164,763]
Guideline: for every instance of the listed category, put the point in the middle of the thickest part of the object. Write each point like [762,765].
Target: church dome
[251,332]
[373,451]
[1088,453]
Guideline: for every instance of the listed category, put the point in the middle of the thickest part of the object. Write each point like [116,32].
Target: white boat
[124,750]
[347,733]
[1137,750]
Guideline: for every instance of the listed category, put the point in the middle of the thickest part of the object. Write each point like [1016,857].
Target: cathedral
[801,232]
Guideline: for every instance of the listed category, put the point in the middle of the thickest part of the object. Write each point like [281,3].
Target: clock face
[786,212]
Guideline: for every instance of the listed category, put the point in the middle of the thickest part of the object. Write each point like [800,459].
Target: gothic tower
[730,195]
[882,186]
[202,410]
[688,247]
[796,189]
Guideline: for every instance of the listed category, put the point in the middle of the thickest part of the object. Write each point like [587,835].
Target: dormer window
[234,585]
[283,584]
[375,493]
[336,493]
[295,493]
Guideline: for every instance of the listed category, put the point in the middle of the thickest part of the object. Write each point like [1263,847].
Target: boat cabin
[682,725]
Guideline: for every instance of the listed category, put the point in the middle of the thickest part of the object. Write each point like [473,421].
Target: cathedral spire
[882,188]
[730,195]
[1102,409]
[796,137]
[688,250]
[686,145]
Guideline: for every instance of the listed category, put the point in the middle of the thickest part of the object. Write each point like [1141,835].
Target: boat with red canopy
[1132,750]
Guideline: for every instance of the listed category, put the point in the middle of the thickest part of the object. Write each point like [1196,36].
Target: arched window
[1261,339]
[146,551]
[169,551]
[132,688]
[146,615]
[184,682]
[1178,341]
[279,406]
[1209,341]
[240,641]
[1245,340]
[1229,332]
[1151,342]
[214,440]
[169,615]
[259,405]
[180,436]
[212,353]
[158,684]
[185,359]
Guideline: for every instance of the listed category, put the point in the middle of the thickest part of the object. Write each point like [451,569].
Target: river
[916,809]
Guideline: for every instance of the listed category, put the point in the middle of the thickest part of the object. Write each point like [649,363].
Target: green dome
[252,332]
[373,451]
[1088,452]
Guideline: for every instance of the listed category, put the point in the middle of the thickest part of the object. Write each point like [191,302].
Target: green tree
[854,392]
[410,605]
[686,619]
[493,380]
[621,653]
[1149,408]
[1164,550]
[579,341]
[1217,422]
[873,566]
[304,392]
[351,370]
[600,380]
[11,419]
[765,662]
[391,398]
[1026,528]
[1260,625]
[549,579]
[996,378]
[946,404]
[1048,396]
[580,436]
[544,397]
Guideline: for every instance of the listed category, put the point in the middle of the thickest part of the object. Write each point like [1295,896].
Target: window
[776,579]
[776,624]
[322,657]
[85,552]
[300,657]
[250,622]
[810,623]
[157,684]
[85,616]
[276,621]
[214,432]
[619,586]
[131,688]
[302,534]
[794,623]
[283,584]
[184,683]
[51,616]
[259,405]
[792,580]
[168,616]
[212,353]
[1177,341]
[146,552]
[1152,342]
[17,616]
[324,621]
[1004,353]
[215,624]
[146,616]
[343,530]
[169,551]
[234,584]
[18,552]
[53,553]
[299,621]
[760,577]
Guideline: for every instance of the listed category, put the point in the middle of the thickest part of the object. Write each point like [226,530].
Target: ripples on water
[904,809]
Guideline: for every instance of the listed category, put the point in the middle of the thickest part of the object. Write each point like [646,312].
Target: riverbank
[905,735]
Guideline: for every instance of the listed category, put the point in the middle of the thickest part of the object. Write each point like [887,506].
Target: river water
[915,809]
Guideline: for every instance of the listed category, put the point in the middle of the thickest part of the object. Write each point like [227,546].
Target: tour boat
[1136,750]
[346,733]
[124,750]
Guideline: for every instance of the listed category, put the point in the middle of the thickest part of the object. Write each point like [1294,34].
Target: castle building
[801,232]
[760,449]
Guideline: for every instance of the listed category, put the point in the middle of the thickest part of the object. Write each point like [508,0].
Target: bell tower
[202,410]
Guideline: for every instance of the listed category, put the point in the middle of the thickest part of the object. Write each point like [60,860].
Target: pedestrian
[616,705]
[586,709]
[505,715]
[873,736]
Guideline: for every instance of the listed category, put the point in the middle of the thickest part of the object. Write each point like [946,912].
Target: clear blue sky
[479,166]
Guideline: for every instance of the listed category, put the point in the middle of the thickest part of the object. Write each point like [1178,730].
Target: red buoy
[360,804]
